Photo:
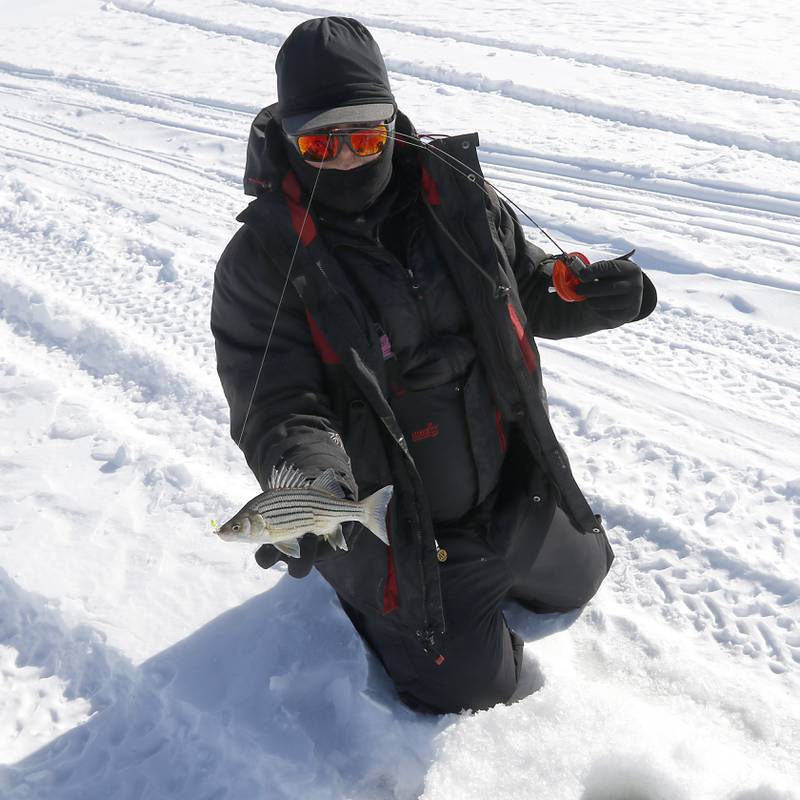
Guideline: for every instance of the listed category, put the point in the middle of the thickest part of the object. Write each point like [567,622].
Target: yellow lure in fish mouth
[214,525]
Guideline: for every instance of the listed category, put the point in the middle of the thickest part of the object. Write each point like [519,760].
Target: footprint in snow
[725,502]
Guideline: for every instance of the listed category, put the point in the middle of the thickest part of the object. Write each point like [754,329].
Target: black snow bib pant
[499,537]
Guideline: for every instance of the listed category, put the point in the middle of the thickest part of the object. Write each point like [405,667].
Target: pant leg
[566,570]
[481,660]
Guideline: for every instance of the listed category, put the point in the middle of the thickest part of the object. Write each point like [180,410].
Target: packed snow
[140,657]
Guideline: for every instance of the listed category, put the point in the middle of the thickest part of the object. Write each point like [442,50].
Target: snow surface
[142,658]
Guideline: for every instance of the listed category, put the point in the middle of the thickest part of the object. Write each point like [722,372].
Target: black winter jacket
[323,397]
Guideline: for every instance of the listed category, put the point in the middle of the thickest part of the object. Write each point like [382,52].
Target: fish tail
[374,508]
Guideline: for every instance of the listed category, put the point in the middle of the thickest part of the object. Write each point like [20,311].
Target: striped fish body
[291,513]
[292,506]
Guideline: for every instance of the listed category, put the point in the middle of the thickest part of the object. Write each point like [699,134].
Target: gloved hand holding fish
[294,505]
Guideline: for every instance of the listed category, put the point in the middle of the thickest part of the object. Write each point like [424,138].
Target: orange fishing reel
[566,276]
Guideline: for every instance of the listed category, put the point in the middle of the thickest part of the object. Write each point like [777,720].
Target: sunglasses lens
[320,147]
[369,142]
[317,147]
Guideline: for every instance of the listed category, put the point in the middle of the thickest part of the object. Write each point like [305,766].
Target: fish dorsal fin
[328,482]
[287,477]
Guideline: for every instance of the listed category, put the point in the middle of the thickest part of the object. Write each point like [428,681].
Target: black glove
[613,289]
[267,556]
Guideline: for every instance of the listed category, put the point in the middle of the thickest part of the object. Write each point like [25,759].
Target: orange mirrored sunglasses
[323,146]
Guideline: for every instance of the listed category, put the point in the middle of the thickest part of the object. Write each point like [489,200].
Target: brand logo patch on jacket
[430,431]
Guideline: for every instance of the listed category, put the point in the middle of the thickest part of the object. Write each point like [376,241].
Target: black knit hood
[330,71]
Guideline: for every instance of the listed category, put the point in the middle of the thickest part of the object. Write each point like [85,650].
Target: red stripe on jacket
[501,431]
[527,351]
[391,592]
[321,344]
[302,222]
[430,188]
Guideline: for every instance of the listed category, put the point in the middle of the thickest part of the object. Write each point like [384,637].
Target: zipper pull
[413,280]
[428,642]
[385,341]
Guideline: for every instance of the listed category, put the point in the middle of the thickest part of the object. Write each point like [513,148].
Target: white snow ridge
[141,658]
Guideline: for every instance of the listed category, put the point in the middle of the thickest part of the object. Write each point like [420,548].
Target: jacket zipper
[427,636]
[416,285]
[416,289]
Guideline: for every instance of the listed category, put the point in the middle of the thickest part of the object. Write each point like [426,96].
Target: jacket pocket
[435,426]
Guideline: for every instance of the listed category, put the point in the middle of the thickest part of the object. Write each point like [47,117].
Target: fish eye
[236,527]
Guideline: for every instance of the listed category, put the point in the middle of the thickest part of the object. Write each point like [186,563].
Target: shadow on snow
[275,698]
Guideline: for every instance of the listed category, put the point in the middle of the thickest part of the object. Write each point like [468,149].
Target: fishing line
[471,175]
[283,293]
[454,164]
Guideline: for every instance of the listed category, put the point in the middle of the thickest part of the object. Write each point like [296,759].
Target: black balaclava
[346,191]
[330,72]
